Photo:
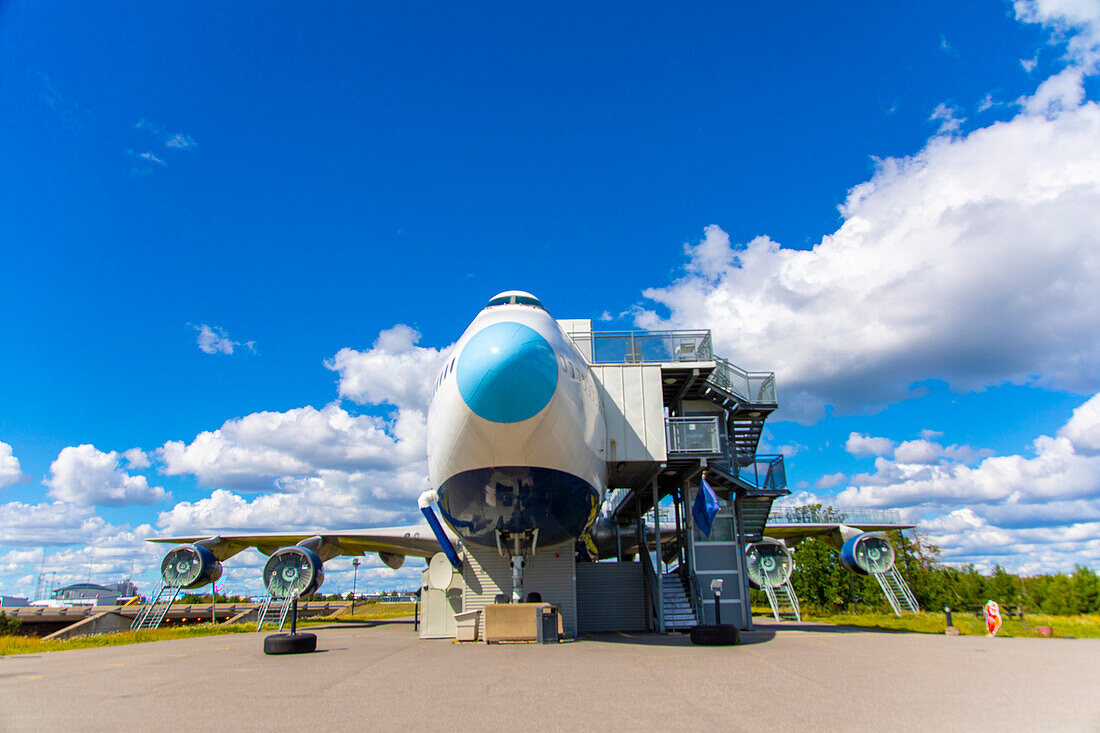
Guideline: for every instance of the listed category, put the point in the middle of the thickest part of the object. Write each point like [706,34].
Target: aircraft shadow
[643,638]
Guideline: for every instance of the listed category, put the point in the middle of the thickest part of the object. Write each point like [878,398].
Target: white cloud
[136,458]
[10,472]
[828,481]
[1083,429]
[86,476]
[925,451]
[49,523]
[253,451]
[149,157]
[948,121]
[973,262]
[319,505]
[180,141]
[395,370]
[214,340]
[859,444]
[144,124]
[1030,513]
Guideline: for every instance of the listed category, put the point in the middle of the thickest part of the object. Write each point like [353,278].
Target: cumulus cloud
[55,522]
[253,451]
[974,262]
[395,370]
[86,476]
[977,505]
[10,472]
[136,458]
[830,480]
[331,503]
[859,444]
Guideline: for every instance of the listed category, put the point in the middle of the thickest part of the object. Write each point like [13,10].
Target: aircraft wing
[798,530]
[395,542]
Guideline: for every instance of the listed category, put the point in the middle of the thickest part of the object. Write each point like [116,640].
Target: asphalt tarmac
[380,676]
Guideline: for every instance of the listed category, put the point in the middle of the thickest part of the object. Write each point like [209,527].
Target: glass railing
[644,347]
[831,515]
[692,435]
[765,472]
[757,388]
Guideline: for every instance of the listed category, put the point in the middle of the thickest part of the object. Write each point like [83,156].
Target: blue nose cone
[507,373]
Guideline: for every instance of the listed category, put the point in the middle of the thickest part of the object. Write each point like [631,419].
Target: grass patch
[1080,627]
[34,645]
[365,612]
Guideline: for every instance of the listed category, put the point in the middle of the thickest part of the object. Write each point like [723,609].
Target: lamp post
[354,577]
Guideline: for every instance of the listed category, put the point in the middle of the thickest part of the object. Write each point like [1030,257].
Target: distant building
[13,600]
[103,595]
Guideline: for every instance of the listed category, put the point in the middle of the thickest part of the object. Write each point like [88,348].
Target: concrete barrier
[107,622]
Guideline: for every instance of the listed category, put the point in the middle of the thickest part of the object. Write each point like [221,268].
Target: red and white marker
[992,617]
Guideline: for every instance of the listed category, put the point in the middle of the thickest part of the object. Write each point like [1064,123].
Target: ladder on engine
[273,610]
[151,615]
[784,602]
[897,592]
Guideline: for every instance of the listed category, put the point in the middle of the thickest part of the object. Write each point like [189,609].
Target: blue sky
[892,207]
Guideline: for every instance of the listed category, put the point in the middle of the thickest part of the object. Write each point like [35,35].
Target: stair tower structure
[676,411]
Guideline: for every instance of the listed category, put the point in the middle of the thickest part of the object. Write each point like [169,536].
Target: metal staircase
[151,615]
[897,591]
[273,611]
[784,602]
[678,612]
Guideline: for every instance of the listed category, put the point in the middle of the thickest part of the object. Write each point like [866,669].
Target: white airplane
[516,438]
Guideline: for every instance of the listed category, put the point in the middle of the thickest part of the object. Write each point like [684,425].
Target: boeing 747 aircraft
[515,455]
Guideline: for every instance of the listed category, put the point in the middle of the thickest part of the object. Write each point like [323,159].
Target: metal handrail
[767,471]
[834,515]
[645,347]
[756,388]
[651,575]
[696,435]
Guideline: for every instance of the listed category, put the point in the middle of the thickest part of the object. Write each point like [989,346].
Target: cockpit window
[515,300]
[525,300]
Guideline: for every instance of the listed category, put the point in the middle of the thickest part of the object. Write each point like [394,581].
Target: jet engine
[869,553]
[190,566]
[293,572]
[769,563]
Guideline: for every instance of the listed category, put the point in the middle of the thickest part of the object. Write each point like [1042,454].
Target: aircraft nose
[507,372]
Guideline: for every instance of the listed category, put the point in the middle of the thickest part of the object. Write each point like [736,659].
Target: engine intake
[869,553]
[189,566]
[769,563]
[293,572]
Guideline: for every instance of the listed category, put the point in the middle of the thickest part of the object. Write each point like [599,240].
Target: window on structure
[525,300]
[502,300]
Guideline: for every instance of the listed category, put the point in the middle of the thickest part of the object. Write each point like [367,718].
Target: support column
[640,534]
[660,575]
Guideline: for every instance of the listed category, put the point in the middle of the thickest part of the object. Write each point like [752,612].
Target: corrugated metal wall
[634,410]
[610,596]
[550,572]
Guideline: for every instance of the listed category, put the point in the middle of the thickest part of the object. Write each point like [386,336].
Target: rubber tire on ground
[724,635]
[290,643]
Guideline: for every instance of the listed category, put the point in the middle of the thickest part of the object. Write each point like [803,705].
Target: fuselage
[515,429]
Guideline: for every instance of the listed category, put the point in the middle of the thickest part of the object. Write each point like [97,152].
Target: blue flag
[705,507]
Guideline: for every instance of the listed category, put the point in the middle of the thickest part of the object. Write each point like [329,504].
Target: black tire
[290,643]
[724,635]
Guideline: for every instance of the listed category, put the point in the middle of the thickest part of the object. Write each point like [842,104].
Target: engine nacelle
[769,563]
[293,572]
[868,553]
[190,566]
[391,560]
